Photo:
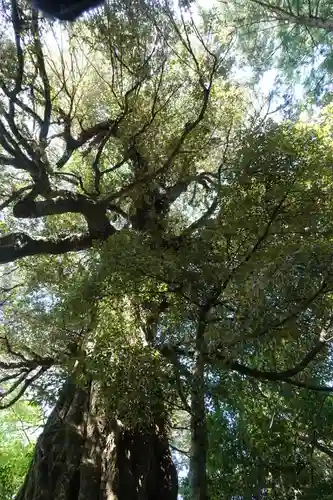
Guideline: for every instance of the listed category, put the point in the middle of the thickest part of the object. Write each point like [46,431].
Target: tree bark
[198,452]
[83,455]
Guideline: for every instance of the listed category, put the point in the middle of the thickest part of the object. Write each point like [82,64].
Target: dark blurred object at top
[68,11]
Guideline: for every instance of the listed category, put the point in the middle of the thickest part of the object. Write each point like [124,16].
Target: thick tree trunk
[198,450]
[82,455]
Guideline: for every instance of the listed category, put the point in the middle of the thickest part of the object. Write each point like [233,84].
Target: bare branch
[44,129]
[28,382]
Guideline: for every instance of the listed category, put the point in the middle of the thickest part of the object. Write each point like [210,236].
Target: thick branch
[94,213]
[19,51]
[28,209]
[73,144]
[25,384]
[18,245]
[277,376]
[14,196]
[44,129]
[273,376]
[323,448]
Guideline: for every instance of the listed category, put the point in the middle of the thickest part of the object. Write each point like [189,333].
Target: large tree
[153,238]
[99,140]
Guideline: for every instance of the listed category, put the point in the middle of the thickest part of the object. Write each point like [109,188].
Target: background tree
[294,38]
[81,166]
[266,313]
[269,444]
[17,429]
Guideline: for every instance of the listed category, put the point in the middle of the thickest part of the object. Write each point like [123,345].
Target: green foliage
[14,461]
[291,37]
[18,427]
[265,440]
[217,227]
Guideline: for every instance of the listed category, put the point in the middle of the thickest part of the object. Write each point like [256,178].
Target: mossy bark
[85,456]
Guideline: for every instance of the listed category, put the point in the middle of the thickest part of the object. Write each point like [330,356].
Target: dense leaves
[293,39]
[166,249]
